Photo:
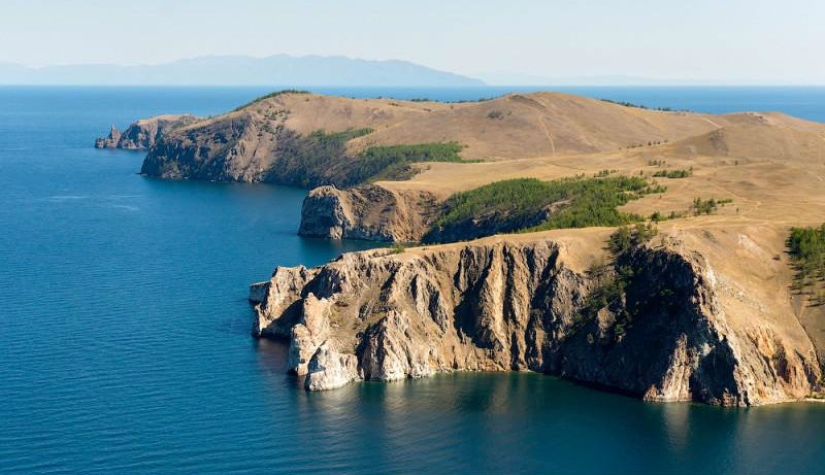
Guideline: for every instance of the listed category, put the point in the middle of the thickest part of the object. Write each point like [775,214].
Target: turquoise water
[125,340]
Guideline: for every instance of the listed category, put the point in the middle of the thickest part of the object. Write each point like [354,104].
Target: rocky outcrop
[525,304]
[368,212]
[329,369]
[143,134]
[110,141]
[236,150]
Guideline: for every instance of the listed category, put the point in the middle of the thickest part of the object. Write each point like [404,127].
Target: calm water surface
[125,340]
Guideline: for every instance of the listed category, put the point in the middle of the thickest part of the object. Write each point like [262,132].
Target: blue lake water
[125,340]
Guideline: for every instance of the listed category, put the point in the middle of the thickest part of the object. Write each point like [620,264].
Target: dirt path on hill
[547,133]
[711,122]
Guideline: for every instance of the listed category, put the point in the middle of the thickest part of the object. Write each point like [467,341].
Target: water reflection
[526,423]
[312,247]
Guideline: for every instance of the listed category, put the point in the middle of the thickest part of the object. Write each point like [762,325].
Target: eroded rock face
[368,212]
[232,150]
[516,305]
[143,134]
[110,141]
[329,369]
[283,295]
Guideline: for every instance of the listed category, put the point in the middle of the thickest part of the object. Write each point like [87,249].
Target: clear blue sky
[768,41]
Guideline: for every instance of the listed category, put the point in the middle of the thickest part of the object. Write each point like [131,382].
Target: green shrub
[806,247]
[673,173]
[320,158]
[709,206]
[528,204]
[393,162]
[613,283]
[314,159]
[496,115]
[626,238]
[641,106]
[607,292]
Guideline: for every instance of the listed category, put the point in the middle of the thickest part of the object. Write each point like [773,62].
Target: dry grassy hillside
[771,165]
[724,190]
[509,127]
[529,130]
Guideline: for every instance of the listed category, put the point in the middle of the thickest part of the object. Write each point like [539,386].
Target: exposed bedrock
[514,305]
[368,212]
[234,150]
[143,134]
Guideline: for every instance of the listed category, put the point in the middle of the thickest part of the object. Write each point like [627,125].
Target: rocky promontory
[144,133]
[383,168]
[537,303]
[367,212]
[710,311]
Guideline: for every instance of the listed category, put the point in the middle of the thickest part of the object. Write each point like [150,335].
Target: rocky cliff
[367,212]
[536,304]
[236,150]
[143,134]
[110,141]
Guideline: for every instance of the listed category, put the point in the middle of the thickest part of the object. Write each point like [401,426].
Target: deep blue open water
[124,328]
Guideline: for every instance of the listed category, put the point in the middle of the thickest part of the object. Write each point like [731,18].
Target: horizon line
[415,86]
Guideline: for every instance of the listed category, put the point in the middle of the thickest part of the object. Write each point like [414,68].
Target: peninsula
[670,255]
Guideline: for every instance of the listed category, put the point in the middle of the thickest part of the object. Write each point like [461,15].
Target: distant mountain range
[279,70]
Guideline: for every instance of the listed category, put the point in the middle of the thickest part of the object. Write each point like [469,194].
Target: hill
[708,306]
[511,127]
[408,157]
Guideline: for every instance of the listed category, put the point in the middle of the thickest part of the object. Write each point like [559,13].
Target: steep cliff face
[143,134]
[527,304]
[233,150]
[367,212]
[110,141]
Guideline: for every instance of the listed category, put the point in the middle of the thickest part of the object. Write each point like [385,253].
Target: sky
[722,41]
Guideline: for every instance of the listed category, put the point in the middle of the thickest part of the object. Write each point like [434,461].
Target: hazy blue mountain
[279,70]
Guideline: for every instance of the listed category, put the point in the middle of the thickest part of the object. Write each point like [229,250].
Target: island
[669,255]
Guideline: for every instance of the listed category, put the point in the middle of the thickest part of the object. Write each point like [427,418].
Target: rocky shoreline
[367,212]
[144,133]
[512,305]
[707,313]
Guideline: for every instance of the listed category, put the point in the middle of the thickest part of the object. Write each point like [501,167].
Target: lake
[126,344]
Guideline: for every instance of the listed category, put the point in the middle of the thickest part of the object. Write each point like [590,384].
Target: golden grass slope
[770,165]
[509,127]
